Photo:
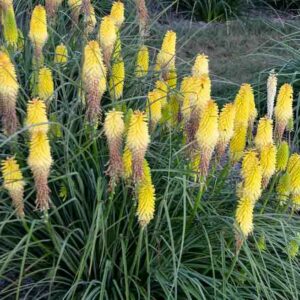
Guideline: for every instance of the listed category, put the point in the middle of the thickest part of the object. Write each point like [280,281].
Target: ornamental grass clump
[9,88]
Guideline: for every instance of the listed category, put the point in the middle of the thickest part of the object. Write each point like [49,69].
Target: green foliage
[209,10]
[279,4]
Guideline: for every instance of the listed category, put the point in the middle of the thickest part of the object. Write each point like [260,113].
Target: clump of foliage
[209,10]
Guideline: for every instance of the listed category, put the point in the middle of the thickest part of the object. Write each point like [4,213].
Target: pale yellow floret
[244,215]
[39,159]
[155,106]
[12,176]
[38,33]
[283,153]
[208,132]
[61,54]
[45,84]
[264,135]
[114,125]
[37,120]
[138,135]
[117,13]
[226,123]
[166,56]
[201,66]
[146,203]
[142,62]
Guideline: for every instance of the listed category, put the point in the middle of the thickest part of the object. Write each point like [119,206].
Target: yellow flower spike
[137,141]
[37,120]
[154,109]
[146,203]
[252,176]
[271,93]
[107,37]
[189,90]
[13,182]
[38,33]
[45,84]
[207,135]
[142,63]
[268,162]
[127,163]
[61,54]
[249,95]
[117,13]
[238,143]
[264,135]
[116,80]
[52,7]
[293,170]
[244,215]
[283,153]
[94,79]
[75,6]
[204,93]
[165,60]
[8,94]
[249,161]
[283,109]
[283,188]
[40,162]
[242,107]
[201,66]
[162,88]
[114,129]
[226,127]
[10,30]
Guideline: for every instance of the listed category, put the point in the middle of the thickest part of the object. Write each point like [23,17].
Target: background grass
[90,246]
